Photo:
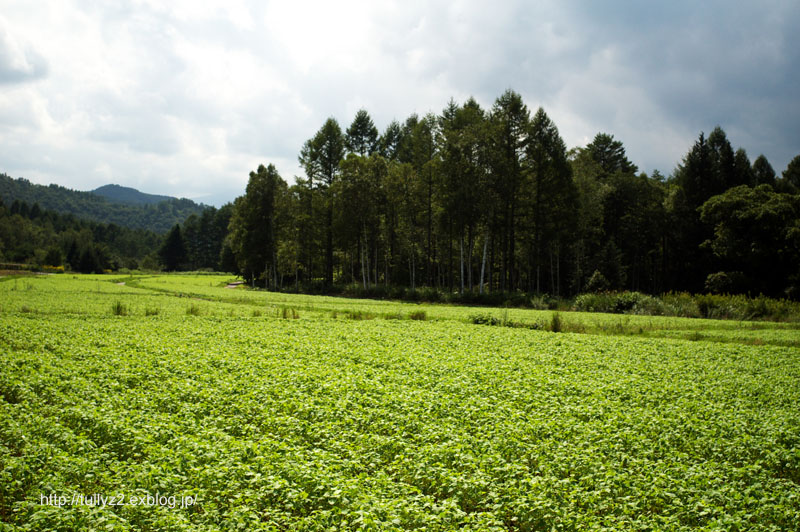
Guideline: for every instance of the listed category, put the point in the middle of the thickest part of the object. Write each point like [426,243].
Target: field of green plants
[288,412]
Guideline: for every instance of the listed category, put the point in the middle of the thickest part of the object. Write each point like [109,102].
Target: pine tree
[173,250]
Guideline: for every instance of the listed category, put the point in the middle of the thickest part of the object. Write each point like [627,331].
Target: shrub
[119,309]
[287,313]
[726,282]
[680,304]
[649,306]
[359,315]
[595,302]
[419,315]
[484,319]
[597,282]
[555,322]
[542,303]
[151,311]
[193,310]
[619,303]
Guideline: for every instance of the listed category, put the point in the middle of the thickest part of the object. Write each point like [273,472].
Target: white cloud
[186,99]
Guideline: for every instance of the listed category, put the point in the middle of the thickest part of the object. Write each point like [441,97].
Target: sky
[185,98]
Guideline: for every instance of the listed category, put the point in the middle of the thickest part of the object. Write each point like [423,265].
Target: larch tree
[320,158]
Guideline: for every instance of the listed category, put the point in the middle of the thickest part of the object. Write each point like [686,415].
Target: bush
[555,322]
[485,319]
[597,283]
[119,309]
[680,304]
[726,282]
[419,315]
[619,303]
[193,310]
[287,313]
[595,302]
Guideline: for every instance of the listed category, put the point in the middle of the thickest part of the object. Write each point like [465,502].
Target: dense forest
[32,236]
[42,238]
[118,210]
[469,201]
[476,200]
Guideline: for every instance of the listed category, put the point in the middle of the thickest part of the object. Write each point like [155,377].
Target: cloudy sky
[174,98]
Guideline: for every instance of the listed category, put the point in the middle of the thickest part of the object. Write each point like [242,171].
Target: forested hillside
[38,237]
[475,200]
[128,195]
[158,217]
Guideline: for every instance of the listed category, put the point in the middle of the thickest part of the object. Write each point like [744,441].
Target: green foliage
[755,233]
[316,424]
[52,239]
[253,226]
[158,217]
[287,313]
[418,315]
[556,324]
[791,176]
[173,250]
[610,155]
[620,303]
[362,135]
[726,282]
[128,195]
[484,319]
[597,283]
[119,309]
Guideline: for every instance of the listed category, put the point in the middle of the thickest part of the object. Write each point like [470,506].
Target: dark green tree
[462,142]
[173,251]
[54,257]
[743,169]
[756,232]
[791,176]
[320,157]
[550,200]
[390,141]
[723,171]
[508,137]
[763,174]
[253,229]
[362,135]
[609,154]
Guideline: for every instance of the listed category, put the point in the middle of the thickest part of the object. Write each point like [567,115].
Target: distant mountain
[129,195]
[158,217]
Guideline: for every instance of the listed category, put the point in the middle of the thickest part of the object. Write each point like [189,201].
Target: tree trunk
[470,247]
[363,269]
[461,254]
[483,261]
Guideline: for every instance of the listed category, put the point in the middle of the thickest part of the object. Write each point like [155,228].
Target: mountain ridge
[159,216]
[129,195]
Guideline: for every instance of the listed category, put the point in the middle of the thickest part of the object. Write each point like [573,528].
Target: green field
[290,412]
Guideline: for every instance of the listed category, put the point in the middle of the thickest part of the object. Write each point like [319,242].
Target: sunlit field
[201,407]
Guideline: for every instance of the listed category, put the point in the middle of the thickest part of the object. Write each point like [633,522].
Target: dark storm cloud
[733,64]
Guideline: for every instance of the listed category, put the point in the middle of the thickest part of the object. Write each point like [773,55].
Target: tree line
[477,200]
[158,217]
[32,236]
[41,237]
